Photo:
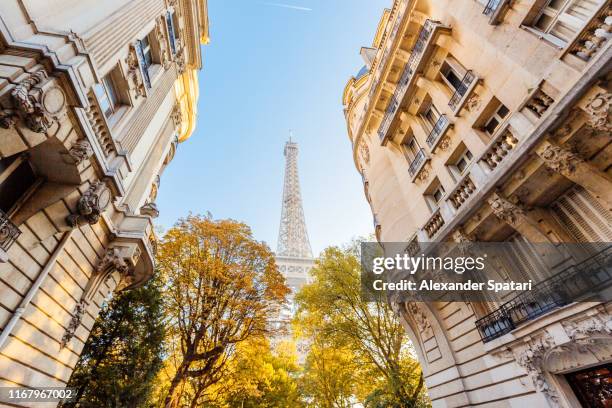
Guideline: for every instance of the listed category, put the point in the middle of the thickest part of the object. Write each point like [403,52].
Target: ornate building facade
[490,121]
[94,98]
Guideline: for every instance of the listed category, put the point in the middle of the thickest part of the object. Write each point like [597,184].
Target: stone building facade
[94,98]
[480,120]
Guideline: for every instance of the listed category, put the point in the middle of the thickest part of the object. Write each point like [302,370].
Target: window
[107,95]
[438,194]
[561,20]
[17,181]
[495,119]
[172,34]
[147,52]
[410,148]
[431,116]
[452,73]
[463,161]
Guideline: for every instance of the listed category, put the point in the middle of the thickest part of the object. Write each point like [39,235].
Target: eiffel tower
[293,254]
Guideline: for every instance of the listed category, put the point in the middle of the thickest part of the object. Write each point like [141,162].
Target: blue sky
[268,69]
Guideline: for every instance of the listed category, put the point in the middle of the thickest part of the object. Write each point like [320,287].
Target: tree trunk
[172,397]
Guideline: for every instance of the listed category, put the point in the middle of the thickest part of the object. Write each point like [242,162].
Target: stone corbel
[91,205]
[117,259]
[516,217]
[576,169]
[37,101]
[79,152]
[599,111]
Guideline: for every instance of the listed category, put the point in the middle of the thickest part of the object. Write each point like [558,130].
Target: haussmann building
[490,121]
[95,96]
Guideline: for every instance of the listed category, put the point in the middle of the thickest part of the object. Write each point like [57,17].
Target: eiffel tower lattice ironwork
[292,236]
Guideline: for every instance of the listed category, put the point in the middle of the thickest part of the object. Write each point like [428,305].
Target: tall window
[452,73]
[459,162]
[560,20]
[495,119]
[430,116]
[106,92]
[147,52]
[411,148]
[434,195]
[17,181]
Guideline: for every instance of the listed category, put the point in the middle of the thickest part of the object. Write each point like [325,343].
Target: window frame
[559,16]
[498,117]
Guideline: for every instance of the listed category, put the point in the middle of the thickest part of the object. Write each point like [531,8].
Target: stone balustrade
[462,192]
[498,149]
[433,225]
[594,35]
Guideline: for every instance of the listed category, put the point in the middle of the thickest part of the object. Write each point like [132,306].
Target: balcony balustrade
[8,232]
[410,68]
[463,90]
[462,192]
[595,34]
[498,149]
[570,284]
[436,133]
[433,225]
[417,163]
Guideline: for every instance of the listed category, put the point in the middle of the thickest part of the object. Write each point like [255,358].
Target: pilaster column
[576,169]
[516,217]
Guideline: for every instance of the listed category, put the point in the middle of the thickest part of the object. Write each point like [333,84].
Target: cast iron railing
[409,69]
[568,285]
[8,232]
[417,162]
[491,6]
[461,90]
[437,131]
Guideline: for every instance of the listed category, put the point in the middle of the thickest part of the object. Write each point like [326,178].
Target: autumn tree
[221,288]
[123,354]
[332,310]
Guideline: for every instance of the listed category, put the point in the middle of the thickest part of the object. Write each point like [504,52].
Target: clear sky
[272,66]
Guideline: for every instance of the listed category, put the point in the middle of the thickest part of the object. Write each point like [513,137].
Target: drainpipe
[33,289]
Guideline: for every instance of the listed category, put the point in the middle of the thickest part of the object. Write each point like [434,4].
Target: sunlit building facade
[95,96]
[490,121]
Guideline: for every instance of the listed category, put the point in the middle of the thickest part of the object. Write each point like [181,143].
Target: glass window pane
[502,111]
[491,126]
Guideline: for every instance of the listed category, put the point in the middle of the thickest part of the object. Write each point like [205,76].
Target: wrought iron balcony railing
[407,74]
[572,283]
[461,90]
[491,6]
[417,162]
[8,232]
[438,130]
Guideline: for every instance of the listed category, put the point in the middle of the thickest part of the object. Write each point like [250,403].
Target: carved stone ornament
[150,209]
[599,109]
[419,317]
[559,159]
[423,173]
[81,151]
[91,205]
[33,105]
[460,237]
[589,327]
[473,103]
[112,261]
[177,115]
[445,143]
[162,40]
[364,152]
[504,209]
[135,80]
[532,360]
[180,57]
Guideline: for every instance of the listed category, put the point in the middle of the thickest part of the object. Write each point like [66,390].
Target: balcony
[417,163]
[439,130]
[8,234]
[462,192]
[573,283]
[421,46]
[494,9]
[433,225]
[594,35]
[468,83]
[498,149]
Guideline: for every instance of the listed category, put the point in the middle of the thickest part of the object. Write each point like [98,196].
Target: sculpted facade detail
[559,159]
[91,205]
[599,109]
[32,104]
[504,209]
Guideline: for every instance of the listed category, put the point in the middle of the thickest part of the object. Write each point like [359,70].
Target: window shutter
[144,69]
[171,32]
